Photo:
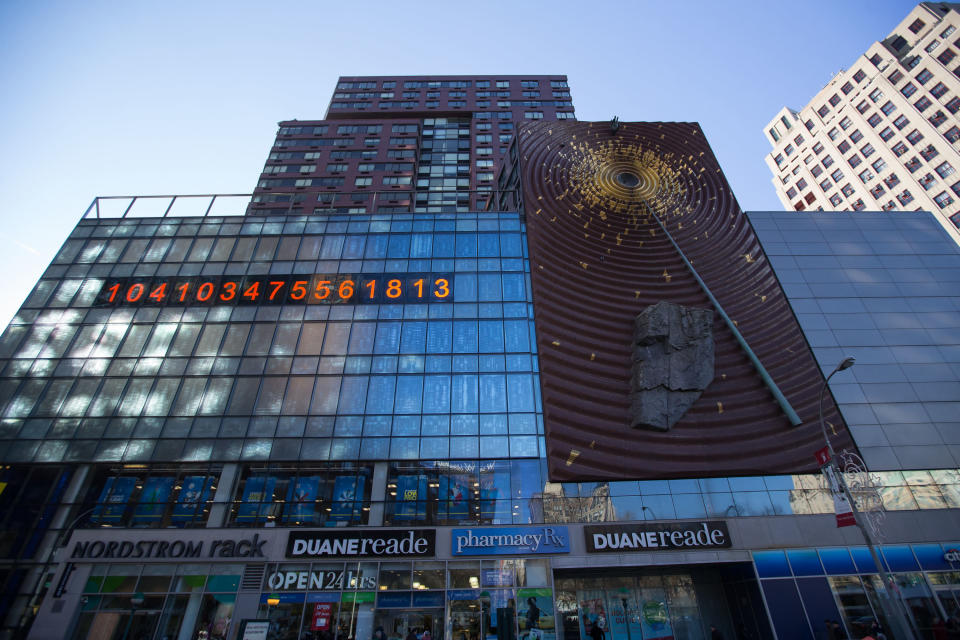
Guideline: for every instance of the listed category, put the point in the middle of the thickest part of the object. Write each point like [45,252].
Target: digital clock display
[289,289]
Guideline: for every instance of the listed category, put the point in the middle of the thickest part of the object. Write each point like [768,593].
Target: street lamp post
[135,601]
[889,600]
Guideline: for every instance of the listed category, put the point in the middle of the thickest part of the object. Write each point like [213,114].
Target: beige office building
[883,134]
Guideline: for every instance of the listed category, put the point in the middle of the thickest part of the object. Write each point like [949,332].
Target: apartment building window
[874,120]
[791,193]
[859,76]
[808,159]
[908,89]
[846,88]
[952,134]
[890,206]
[827,161]
[948,31]
[834,100]
[801,184]
[816,171]
[533,115]
[337,167]
[837,175]
[788,149]
[947,56]
[835,200]
[817,148]
[845,123]
[937,118]
[927,181]
[866,176]
[875,59]
[877,191]
[843,147]
[924,76]
[938,90]
[905,197]
[847,190]
[945,169]
[914,137]
[856,136]
[932,46]
[823,111]
[912,164]
[565,115]
[779,159]
[484,139]
[826,184]
[891,181]
[916,25]
[503,84]
[833,133]
[886,134]
[943,199]
[867,150]
[879,165]
[953,105]
[858,205]
[863,106]
[362,182]
[922,104]
[888,108]
[854,160]
[899,149]
[485,84]
[901,122]
[912,62]
[929,152]
[808,124]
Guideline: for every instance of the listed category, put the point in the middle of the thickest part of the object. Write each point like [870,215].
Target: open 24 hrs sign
[285,289]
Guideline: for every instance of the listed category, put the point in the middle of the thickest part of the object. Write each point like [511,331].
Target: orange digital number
[419,285]
[205,292]
[276,288]
[442,288]
[113,292]
[183,288]
[393,289]
[135,292]
[299,290]
[322,290]
[229,291]
[252,292]
[372,285]
[159,293]
[345,290]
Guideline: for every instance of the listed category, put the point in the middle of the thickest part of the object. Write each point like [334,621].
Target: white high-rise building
[883,134]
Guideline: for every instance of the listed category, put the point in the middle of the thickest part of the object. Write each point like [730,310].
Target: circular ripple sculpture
[594,205]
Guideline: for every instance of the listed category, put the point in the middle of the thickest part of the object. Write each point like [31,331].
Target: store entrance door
[397,623]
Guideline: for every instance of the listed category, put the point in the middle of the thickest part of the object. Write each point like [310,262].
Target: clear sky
[137,98]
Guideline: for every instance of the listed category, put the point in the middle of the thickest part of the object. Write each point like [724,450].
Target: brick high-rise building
[883,134]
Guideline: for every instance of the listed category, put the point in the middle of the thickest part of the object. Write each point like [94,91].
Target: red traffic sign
[822,456]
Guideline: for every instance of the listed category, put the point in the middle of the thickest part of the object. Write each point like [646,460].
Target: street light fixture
[890,601]
[136,600]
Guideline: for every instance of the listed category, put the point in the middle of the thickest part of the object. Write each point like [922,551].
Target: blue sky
[125,98]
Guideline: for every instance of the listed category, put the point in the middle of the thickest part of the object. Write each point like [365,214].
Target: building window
[912,164]
[908,89]
[827,161]
[938,90]
[875,59]
[837,175]
[914,137]
[859,75]
[817,148]
[932,46]
[943,199]
[895,77]
[858,205]
[879,165]
[801,184]
[825,185]
[833,133]
[808,124]
[924,76]
[834,100]
[788,149]
[945,169]
[886,134]
[844,146]
[938,118]
[905,197]
[866,176]
[847,190]
[916,25]
[816,171]
[779,159]
[867,150]
[854,160]
[929,152]
[503,84]
[846,88]
[337,167]
[927,181]
[786,122]
[863,106]
[901,122]
[953,105]
[835,200]
[952,134]
[899,149]
[791,193]
[845,123]
[877,191]
[856,136]
[947,56]
[891,181]
[823,111]
[874,119]
[798,140]
[362,182]
[922,104]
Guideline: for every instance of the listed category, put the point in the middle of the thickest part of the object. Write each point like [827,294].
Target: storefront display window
[121,497]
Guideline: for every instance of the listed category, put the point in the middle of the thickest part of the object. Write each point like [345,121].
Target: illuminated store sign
[266,290]
[672,536]
[361,544]
[507,540]
[99,549]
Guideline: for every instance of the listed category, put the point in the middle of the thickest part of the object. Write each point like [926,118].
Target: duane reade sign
[362,543]
[678,536]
